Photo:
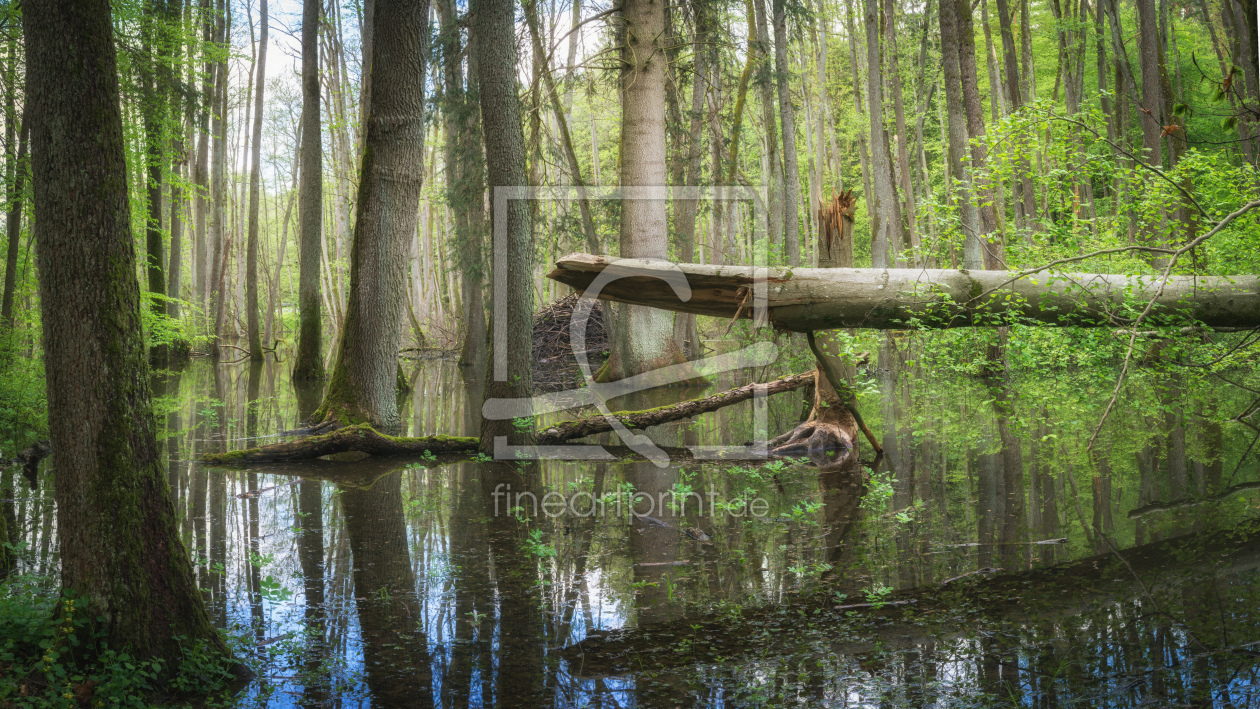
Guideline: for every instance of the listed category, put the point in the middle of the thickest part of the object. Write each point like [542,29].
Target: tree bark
[363,383]
[308,362]
[791,172]
[764,79]
[984,251]
[969,217]
[885,219]
[505,167]
[218,185]
[643,338]
[805,299]
[251,257]
[121,554]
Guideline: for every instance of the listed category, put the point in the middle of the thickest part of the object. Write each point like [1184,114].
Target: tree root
[364,438]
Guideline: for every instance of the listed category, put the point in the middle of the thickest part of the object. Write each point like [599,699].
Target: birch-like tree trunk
[251,258]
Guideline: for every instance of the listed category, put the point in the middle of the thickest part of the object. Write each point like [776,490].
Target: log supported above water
[805,299]
[365,439]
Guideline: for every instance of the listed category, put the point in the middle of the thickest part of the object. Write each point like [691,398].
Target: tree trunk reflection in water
[520,661]
[310,543]
[395,649]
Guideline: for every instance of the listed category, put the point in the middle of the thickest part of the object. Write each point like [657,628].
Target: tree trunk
[251,258]
[765,86]
[509,375]
[984,253]
[308,362]
[121,555]
[969,216]
[804,299]
[154,85]
[643,338]
[17,199]
[791,172]
[218,186]
[364,378]
[903,151]
[201,171]
[885,220]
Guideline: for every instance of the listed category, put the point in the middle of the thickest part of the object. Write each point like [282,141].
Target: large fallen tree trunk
[363,438]
[804,299]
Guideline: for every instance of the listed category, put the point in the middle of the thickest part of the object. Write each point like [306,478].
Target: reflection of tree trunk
[520,660]
[473,591]
[395,650]
[310,542]
[842,491]
[653,544]
[989,506]
[251,504]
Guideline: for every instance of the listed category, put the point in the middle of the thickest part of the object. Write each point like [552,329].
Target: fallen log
[591,425]
[805,299]
[363,438]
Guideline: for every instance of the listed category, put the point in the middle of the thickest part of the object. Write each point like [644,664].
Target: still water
[457,582]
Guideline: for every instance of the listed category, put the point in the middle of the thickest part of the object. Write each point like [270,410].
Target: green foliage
[53,656]
[23,402]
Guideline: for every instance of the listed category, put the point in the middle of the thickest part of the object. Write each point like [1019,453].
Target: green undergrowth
[53,655]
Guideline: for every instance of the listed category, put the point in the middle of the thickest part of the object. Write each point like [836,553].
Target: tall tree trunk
[251,258]
[685,332]
[363,383]
[179,156]
[308,362]
[201,169]
[13,228]
[121,555]
[155,81]
[495,47]
[643,339]
[969,217]
[885,220]
[764,79]
[791,172]
[982,250]
[218,185]
[903,151]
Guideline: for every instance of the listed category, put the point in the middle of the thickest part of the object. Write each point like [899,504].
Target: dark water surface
[419,583]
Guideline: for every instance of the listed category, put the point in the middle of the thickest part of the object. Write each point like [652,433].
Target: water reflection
[379,582]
